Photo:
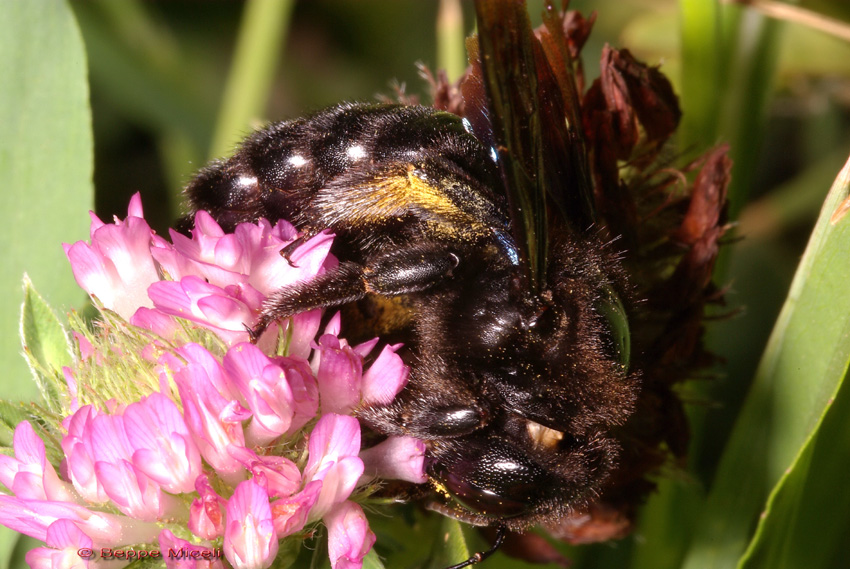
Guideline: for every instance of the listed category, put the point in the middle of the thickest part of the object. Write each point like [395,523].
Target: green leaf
[799,375]
[42,333]
[451,545]
[46,345]
[808,515]
[45,164]
[751,43]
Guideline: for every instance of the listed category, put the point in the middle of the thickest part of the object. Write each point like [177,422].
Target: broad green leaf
[45,165]
[807,518]
[666,524]
[451,545]
[798,377]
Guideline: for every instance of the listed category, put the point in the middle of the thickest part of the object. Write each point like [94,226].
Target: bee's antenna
[480,556]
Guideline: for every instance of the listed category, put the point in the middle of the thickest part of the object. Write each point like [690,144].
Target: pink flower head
[220,280]
[215,279]
[203,435]
[250,541]
[251,254]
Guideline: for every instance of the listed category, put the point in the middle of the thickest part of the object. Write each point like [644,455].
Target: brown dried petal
[599,522]
[577,28]
[708,198]
[651,95]
[446,96]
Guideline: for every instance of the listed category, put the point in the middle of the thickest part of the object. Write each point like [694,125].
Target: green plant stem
[451,49]
[261,36]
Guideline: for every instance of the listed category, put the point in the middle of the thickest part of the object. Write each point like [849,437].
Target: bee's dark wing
[531,107]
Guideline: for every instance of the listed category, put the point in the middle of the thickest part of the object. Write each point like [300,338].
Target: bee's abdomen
[352,168]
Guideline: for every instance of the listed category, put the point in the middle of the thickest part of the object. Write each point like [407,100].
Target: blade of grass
[797,378]
[749,64]
[258,49]
[808,514]
[712,37]
[701,62]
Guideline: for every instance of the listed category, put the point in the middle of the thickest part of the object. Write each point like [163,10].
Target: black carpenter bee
[484,227]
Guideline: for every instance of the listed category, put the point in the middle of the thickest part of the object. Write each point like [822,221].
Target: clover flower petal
[181,554]
[28,474]
[339,375]
[250,541]
[34,517]
[64,540]
[207,514]
[334,445]
[349,536]
[263,388]
[163,446]
[117,267]
[397,458]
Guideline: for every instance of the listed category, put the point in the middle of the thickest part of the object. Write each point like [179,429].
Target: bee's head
[506,474]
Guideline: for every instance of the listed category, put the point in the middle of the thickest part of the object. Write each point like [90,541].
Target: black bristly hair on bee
[485,228]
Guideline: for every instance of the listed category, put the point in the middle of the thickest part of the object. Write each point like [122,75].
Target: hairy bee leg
[289,249]
[480,556]
[401,272]
[343,284]
[408,270]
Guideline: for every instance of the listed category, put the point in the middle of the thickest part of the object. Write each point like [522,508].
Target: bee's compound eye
[487,476]
[617,339]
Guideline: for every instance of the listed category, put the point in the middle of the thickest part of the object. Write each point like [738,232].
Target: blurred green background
[158,72]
